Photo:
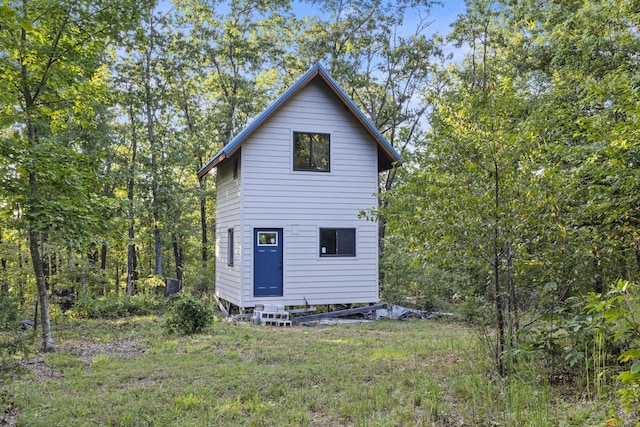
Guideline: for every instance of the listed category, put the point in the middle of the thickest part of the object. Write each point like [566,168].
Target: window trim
[230,245]
[293,152]
[267,244]
[336,230]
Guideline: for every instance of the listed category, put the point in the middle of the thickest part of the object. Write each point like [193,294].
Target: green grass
[387,373]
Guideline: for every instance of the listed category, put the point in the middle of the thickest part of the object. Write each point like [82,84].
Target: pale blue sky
[442,16]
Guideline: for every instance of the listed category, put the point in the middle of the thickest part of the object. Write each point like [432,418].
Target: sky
[442,15]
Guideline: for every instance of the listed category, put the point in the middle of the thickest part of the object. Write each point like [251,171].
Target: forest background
[517,205]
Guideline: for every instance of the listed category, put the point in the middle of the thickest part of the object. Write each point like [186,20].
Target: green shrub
[596,337]
[188,315]
[620,309]
[9,311]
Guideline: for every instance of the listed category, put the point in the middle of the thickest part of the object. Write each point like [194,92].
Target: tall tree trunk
[513,300]
[103,257]
[83,279]
[154,159]
[117,278]
[34,237]
[177,254]
[203,220]
[43,297]
[131,249]
[4,282]
[21,280]
[500,329]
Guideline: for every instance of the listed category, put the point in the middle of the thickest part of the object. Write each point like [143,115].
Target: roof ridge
[316,70]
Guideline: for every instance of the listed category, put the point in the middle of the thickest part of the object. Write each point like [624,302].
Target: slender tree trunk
[131,249]
[177,254]
[43,297]
[34,237]
[4,285]
[83,280]
[117,278]
[103,257]
[500,330]
[203,220]
[154,159]
[21,281]
[4,282]
[500,339]
[513,301]
[132,270]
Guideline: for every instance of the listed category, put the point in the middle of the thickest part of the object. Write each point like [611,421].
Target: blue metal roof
[384,147]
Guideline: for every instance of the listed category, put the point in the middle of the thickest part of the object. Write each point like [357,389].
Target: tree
[460,204]
[226,73]
[386,66]
[583,59]
[51,60]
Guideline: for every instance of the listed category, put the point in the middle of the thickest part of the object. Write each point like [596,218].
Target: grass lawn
[386,373]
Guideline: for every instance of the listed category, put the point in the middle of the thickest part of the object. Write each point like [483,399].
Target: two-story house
[290,188]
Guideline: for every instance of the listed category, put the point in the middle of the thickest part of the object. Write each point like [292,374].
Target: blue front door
[267,262]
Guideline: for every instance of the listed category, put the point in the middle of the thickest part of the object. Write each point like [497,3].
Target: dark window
[311,152]
[230,247]
[337,242]
[236,163]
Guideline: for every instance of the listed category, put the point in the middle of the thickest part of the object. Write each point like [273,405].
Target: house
[290,188]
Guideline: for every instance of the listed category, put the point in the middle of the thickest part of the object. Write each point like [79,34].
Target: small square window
[311,151]
[337,242]
[267,238]
[230,247]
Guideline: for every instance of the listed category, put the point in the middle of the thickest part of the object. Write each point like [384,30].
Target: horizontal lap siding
[227,216]
[301,202]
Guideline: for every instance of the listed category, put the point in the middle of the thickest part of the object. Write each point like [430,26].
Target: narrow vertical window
[230,247]
[236,166]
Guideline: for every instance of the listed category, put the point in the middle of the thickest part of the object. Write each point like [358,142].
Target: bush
[188,315]
[597,337]
[9,312]
[620,309]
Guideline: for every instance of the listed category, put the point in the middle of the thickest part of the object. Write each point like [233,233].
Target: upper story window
[311,151]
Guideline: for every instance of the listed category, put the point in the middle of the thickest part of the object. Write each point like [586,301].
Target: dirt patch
[86,351]
[40,369]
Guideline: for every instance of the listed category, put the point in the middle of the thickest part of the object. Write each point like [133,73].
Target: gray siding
[274,195]
[228,216]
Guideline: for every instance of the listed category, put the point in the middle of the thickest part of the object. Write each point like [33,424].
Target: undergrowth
[384,373]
